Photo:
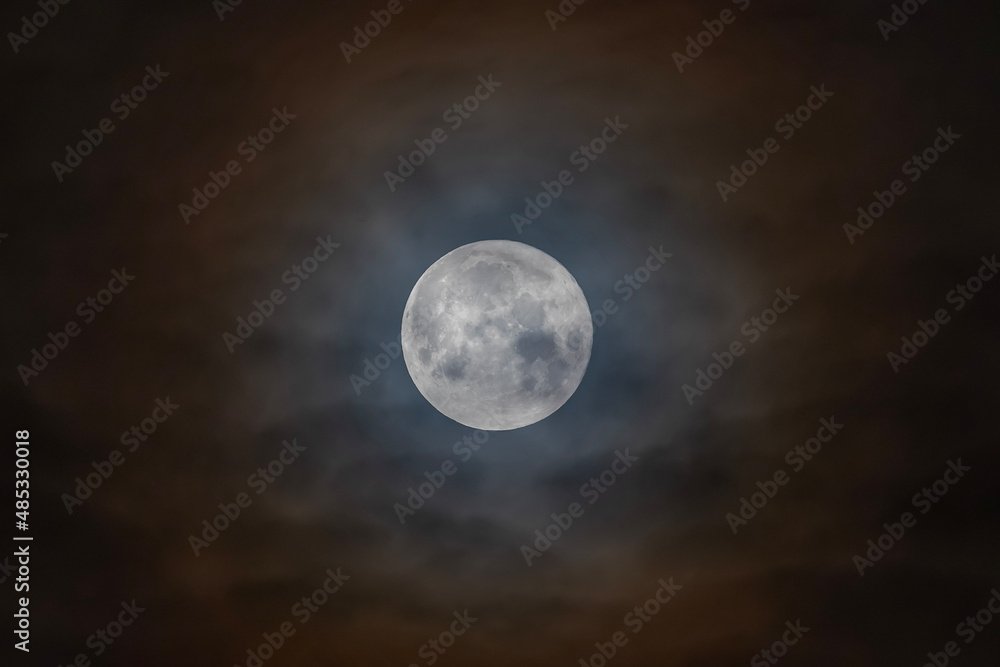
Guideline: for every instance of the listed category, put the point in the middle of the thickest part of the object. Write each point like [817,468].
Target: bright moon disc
[497,335]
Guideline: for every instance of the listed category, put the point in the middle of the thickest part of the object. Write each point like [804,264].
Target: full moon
[497,335]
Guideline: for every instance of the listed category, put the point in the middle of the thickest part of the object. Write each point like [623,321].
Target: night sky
[216,214]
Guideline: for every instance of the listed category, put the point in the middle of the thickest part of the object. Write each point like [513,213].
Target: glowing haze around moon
[497,335]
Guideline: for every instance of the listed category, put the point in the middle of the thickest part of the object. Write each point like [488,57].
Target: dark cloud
[652,190]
